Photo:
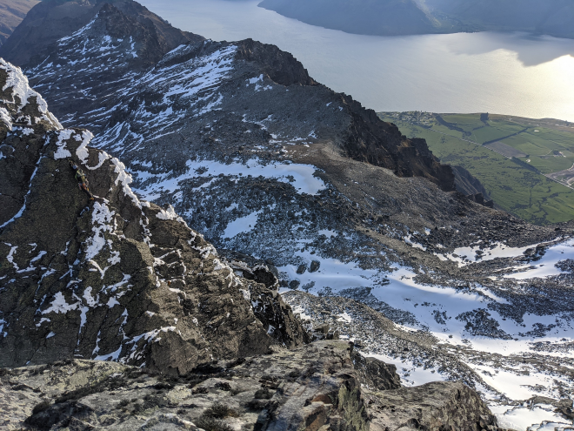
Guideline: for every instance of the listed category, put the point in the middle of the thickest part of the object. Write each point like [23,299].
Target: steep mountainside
[106,65]
[12,12]
[51,20]
[120,279]
[264,161]
[471,187]
[391,17]
[116,279]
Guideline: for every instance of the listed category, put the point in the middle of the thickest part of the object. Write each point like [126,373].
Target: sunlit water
[479,72]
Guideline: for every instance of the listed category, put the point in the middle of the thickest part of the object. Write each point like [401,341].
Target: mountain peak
[50,21]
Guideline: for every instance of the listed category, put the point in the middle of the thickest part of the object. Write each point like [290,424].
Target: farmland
[524,164]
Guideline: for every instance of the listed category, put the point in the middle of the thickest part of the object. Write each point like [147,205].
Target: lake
[503,73]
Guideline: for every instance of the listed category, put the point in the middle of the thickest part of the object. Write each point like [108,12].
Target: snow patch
[102,218]
[59,305]
[125,179]
[20,86]
[301,177]
[240,225]
[62,152]
[546,266]
[6,118]
[82,150]
[168,214]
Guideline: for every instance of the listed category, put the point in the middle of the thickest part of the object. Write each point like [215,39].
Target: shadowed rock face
[280,66]
[324,385]
[117,278]
[381,144]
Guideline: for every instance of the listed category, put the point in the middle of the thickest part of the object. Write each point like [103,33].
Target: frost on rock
[125,179]
[22,93]
[102,223]
[169,214]
[6,118]
[82,150]
[63,152]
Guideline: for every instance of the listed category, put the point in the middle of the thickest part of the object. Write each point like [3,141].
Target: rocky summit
[296,185]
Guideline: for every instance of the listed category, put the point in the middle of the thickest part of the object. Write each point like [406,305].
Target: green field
[511,166]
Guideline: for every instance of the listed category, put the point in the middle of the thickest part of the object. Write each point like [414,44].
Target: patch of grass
[210,419]
[211,424]
[219,411]
[467,122]
[550,164]
[496,131]
[515,188]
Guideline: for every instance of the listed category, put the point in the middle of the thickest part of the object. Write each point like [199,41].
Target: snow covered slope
[123,280]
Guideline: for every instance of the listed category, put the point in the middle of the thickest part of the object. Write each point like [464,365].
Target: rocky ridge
[326,385]
[51,20]
[118,279]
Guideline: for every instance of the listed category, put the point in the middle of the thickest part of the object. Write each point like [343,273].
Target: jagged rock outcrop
[318,386]
[381,144]
[433,406]
[118,278]
[280,66]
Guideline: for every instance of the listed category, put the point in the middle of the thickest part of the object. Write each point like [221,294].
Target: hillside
[524,164]
[120,279]
[12,12]
[351,217]
[391,18]
[385,18]
[551,17]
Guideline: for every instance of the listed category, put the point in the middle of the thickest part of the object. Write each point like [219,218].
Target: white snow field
[400,290]
[299,176]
